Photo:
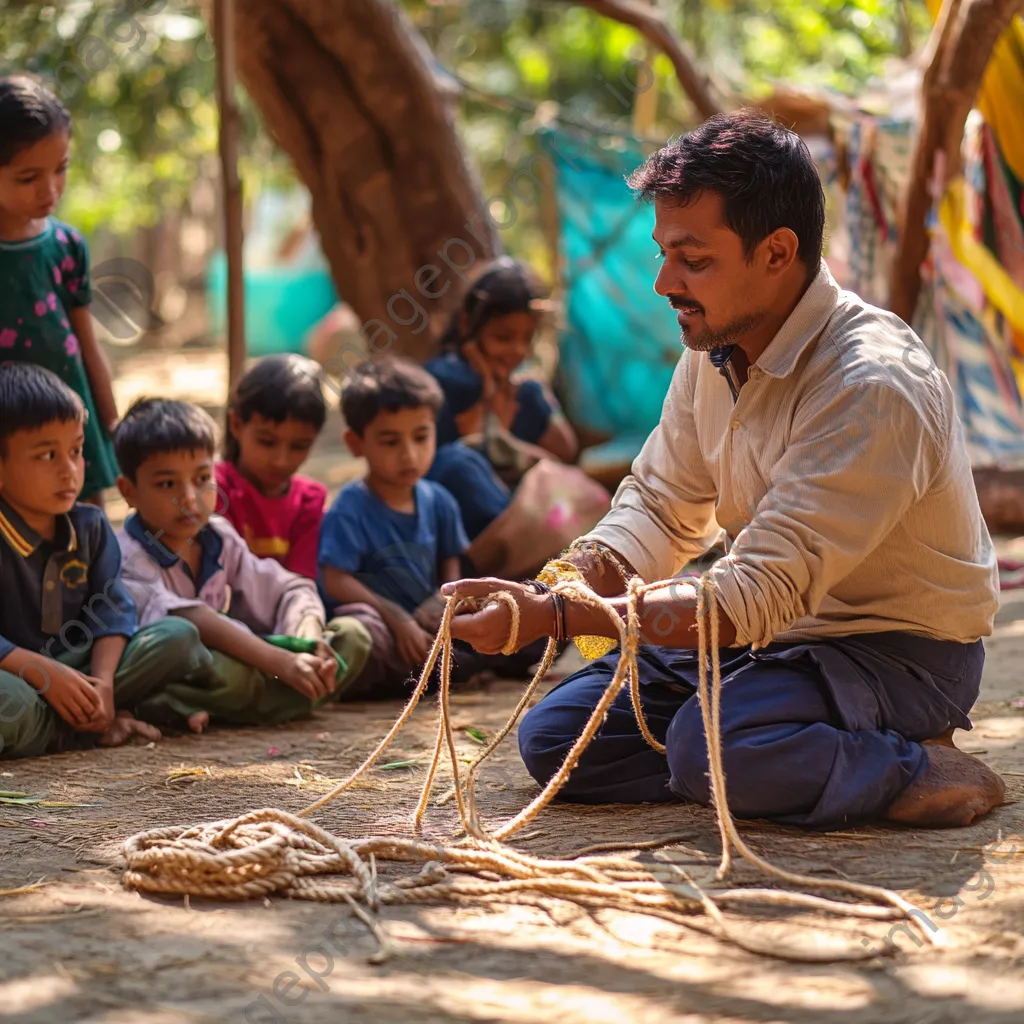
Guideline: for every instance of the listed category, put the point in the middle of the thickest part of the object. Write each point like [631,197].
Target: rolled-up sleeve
[856,461]
[663,514]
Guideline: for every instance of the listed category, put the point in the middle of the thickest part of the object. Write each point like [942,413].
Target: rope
[273,851]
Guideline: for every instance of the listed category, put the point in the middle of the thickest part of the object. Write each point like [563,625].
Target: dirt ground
[82,948]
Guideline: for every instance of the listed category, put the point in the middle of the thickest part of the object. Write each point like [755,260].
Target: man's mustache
[678,302]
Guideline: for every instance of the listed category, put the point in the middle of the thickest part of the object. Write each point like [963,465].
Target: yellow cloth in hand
[558,570]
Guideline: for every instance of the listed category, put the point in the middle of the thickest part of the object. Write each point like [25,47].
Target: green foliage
[141,90]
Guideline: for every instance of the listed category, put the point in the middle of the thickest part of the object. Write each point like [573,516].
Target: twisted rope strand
[273,851]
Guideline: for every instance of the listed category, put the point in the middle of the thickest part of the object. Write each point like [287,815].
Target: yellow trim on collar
[15,539]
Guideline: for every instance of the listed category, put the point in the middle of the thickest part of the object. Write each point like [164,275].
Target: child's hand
[309,674]
[103,717]
[430,613]
[74,696]
[413,641]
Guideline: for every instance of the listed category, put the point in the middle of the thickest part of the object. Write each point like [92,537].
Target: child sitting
[391,539]
[180,562]
[275,414]
[73,664]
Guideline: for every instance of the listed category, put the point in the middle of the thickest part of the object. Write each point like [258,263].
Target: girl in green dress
[44,268]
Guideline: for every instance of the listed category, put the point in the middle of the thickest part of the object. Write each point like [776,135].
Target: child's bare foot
[126,727]
[954,790]
[198,721]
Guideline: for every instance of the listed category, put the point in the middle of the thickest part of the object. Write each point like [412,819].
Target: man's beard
[709,338]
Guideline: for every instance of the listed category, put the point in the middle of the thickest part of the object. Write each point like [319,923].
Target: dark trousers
[823,734]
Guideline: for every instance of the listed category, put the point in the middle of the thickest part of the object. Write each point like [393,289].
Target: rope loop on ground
[272,851]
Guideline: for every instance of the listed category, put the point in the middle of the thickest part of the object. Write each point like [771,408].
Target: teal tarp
[621,340]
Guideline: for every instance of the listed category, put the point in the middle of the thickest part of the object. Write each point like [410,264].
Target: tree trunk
[345,88]
[958,53]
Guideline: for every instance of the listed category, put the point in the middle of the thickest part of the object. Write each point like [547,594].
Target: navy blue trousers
[823,734]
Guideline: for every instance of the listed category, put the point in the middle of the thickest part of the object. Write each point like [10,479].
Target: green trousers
[234,693]
[154,657]
[165,675]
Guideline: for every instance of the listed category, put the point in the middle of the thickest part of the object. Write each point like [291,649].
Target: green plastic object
[300,645]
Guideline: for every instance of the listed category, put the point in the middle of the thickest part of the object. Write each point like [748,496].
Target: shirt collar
[23,540]
[803,325]
[210,541]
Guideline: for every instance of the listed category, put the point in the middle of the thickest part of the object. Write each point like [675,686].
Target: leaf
[391,765]
[475,734]
[11,793]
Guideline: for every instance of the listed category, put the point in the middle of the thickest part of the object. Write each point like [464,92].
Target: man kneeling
[816,431]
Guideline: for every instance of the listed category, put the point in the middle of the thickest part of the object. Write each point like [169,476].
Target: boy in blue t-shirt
[391,539]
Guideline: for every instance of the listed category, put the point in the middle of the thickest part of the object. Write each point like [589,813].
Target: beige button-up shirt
[839,476]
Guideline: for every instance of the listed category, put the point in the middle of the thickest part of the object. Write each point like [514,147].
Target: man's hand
[488,630]
[310,675]
[73,695]
[412,640]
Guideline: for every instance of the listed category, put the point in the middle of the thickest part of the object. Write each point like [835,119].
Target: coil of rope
[274,851]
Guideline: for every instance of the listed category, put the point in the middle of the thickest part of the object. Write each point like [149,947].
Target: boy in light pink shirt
[180,562]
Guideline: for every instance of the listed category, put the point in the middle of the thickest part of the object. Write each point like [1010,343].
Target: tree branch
[649,23]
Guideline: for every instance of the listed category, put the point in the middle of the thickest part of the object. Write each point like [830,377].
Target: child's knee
[352,641]
[176,641]
[26,722]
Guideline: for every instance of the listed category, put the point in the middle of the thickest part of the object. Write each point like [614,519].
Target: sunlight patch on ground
[27,994]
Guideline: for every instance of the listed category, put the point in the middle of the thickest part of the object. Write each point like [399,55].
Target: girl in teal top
[44,268]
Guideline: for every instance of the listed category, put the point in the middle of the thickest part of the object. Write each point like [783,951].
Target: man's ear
[354,442]
[127,489]
[782,248]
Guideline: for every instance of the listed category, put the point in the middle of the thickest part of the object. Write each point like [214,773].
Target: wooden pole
[224,36]
[961,44]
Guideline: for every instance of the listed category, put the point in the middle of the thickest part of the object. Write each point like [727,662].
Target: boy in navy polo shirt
[391,539]
[73,665]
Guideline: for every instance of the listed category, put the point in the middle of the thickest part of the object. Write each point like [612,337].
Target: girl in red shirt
[276,412]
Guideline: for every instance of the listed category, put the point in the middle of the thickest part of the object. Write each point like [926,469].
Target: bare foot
[198,721]
[126,727]
[954,790]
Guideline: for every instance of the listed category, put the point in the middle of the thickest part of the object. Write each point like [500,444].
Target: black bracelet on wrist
[559,605]
[537,586]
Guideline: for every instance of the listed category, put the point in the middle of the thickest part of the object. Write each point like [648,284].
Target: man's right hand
[71,694]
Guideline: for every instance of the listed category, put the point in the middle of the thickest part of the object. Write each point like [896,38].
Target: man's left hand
[487,630]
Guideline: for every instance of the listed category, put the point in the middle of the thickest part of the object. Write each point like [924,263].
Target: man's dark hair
[31,397]
[763,172]
[387,385]
[278,388]
[156,426]
[29,113]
